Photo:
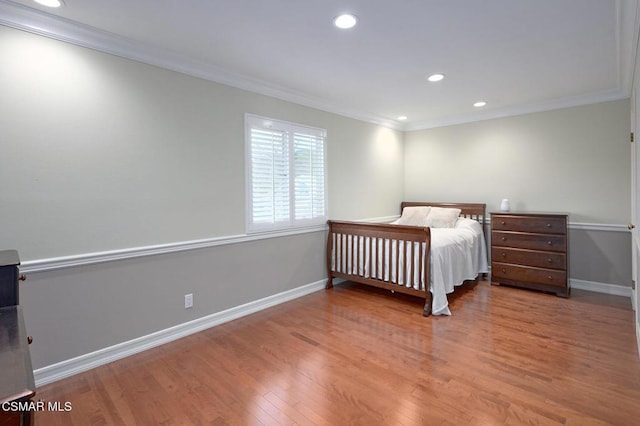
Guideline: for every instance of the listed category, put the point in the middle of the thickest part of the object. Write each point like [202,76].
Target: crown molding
[628,26]
[23,18]
[628,29]
[568,102]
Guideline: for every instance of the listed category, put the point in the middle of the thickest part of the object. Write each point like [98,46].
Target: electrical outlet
[188,301]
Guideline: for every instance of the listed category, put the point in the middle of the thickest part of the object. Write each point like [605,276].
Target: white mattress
[457,254]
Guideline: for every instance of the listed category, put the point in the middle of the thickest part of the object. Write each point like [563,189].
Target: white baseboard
[636,317]
[70,367]
[616,290]
[638,336]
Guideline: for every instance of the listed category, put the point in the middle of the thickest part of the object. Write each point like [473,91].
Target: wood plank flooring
[358,355]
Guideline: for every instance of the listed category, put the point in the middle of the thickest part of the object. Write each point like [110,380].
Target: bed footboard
[392,257]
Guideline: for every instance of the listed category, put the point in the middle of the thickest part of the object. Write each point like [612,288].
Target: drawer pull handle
[550,260]
[549,243]
[550,278]
[22,277]
[503,254]
[29,339]
[504,271]
[502,222]
[548,225]
[504,238]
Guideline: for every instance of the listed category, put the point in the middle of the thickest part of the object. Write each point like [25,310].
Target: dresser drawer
[540,224]
[529,274]
[550,242]
[542,259]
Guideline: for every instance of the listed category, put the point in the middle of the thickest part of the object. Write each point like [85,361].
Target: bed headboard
[475,211]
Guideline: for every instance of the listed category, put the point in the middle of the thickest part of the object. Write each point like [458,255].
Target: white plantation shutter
[285,175]
[309,175]
[269,176]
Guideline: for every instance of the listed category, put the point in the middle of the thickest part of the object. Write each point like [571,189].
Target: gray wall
[75,311]
[600,256]
[102,154]
[573,160]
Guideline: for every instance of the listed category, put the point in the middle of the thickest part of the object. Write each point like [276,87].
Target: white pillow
[443,217]
[414,216]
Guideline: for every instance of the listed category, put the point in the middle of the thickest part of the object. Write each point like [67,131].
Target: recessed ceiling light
[402,117]
[50,3]
[345,21]
[479,104]
[435,77]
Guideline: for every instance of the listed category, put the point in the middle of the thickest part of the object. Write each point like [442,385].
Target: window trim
[292,224]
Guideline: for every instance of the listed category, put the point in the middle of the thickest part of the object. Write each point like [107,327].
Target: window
[286,186]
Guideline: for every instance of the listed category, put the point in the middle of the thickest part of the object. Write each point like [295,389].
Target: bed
[443,250]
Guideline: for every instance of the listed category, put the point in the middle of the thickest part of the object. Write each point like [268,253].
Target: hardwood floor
[358,355]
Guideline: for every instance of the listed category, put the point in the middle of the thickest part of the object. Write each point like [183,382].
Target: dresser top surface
[9,257]
[527,213]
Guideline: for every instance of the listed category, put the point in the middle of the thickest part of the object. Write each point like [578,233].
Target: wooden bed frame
[350,239]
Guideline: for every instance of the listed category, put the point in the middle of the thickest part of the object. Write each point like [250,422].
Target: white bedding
[457,254]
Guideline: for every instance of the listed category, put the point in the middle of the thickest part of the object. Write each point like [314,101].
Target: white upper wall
[573,160]
[103,153]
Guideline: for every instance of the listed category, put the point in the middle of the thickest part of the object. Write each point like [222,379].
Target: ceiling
[517,55]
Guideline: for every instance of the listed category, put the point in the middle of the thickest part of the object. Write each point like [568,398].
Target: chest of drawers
[530,250]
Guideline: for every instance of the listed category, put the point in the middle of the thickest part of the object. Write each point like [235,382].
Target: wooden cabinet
[530,250]
[17,385]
